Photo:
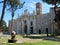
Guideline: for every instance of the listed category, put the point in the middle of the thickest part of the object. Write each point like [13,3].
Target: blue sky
[29,4]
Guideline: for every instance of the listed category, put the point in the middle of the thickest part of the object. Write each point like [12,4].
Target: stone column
[28,26]
[34,25]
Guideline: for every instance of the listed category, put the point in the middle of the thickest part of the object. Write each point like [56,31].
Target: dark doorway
[39,31]
[25,29]
[31,30]
[47,31]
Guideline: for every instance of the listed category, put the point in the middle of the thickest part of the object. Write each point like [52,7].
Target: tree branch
[1,1]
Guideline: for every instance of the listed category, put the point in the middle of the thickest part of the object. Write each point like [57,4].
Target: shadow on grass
[52,38]
[34,37]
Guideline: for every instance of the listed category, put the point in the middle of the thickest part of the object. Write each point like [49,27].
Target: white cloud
[32,4]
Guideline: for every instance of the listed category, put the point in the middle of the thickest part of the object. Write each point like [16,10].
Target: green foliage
[4,26]
[15,4]
[53,2]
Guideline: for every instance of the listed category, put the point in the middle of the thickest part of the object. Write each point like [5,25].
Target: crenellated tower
[38,17]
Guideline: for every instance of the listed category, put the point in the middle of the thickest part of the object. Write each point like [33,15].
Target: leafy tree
[56,3]
[11,3]
[4,26]
[3,11]
[53,2]
[14,5]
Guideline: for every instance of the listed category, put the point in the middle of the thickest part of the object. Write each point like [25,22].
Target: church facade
[33,23]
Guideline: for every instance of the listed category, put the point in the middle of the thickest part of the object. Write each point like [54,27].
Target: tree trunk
[3,11]
[12,20]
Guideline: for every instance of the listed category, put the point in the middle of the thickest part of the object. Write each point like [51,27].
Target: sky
[29,4]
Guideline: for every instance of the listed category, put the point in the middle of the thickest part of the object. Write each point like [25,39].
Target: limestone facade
[33,23]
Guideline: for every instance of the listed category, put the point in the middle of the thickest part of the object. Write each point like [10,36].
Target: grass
[37,43]
[4,39]
[10,44]
[57,36]
[19,36]
[43,34]
[43,42]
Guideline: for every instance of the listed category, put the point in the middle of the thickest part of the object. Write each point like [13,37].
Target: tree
[14,5]
[8,2]
[53,2]
[3,26]
[3,11]
[56,3]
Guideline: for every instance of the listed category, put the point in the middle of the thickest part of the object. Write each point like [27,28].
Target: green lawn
[4,39]
[9,43]
[19,36]
[37,43]
[43,43]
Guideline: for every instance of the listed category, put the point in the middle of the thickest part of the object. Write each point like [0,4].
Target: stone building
[33,23]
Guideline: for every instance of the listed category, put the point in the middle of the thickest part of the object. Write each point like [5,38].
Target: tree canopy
[11,4]
[53,2]
[15,4]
